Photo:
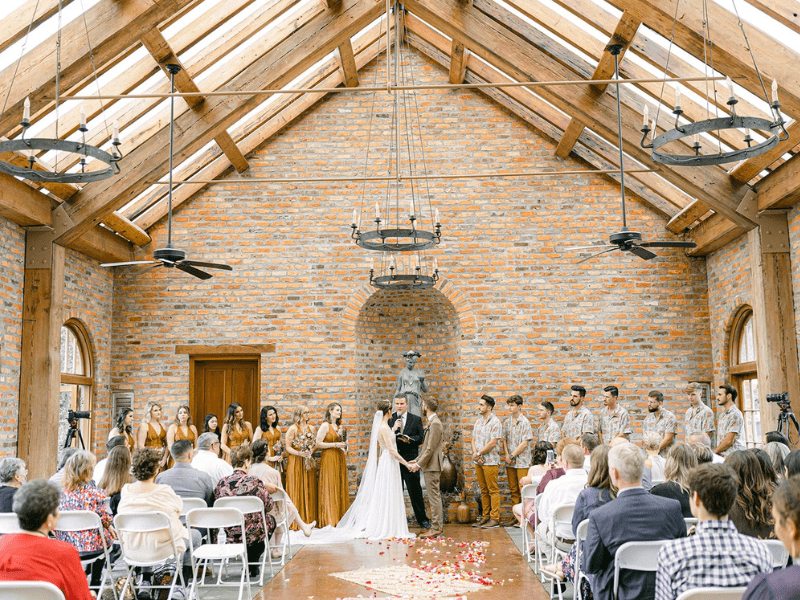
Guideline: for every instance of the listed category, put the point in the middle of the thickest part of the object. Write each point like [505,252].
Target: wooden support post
[773,314]
[40,367]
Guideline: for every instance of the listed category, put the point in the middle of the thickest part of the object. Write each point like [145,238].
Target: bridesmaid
[301,483]
[124,426]
[151,433]
[235,431]
[268,430]
[334,493]
[181,429]
[211,425]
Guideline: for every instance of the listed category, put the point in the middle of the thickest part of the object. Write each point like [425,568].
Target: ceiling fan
[626,239]
[169,256]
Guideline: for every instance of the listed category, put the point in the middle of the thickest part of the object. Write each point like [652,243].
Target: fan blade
[641,252]
[150,268]
[667,244]
[207,265]
[192,271]
[610,249]
[132,262]
[594,247]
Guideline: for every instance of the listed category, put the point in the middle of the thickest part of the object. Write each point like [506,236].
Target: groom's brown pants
[434,499]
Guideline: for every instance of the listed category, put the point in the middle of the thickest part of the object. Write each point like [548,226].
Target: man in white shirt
[207,458]
[100,467]
[563,490]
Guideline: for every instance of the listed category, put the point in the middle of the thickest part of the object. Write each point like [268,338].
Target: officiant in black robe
[408,430]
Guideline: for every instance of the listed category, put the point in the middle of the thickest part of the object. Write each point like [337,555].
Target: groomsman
[517,436]
[549,430]
[430,460]
[486,436]
[408,429]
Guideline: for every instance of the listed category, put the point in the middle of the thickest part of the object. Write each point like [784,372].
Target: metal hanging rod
[350,179]
[384,88]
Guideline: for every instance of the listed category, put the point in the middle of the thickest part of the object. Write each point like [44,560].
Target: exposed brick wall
[12,275]
[531,320]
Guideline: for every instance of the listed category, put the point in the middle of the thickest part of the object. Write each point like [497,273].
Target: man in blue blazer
[635,516]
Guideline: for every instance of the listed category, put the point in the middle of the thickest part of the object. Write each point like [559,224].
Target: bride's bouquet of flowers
[307,442]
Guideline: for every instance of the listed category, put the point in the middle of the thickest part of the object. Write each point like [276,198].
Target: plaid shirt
[515,433]
[731,421]
[576,424]
[614,423]
[716,555]
[549,432]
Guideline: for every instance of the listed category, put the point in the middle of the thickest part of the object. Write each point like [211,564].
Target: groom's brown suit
[430,460]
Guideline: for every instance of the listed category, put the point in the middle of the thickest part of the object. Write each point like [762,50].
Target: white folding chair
[713,593]
[9,523]
[217,518]
[282,524]
[780,555]
[251,505]
[528,496]
[636,556]
[154,523]
[689,522]
[29,590]
[191,503]
[562,515]
[580,538]
[84,520]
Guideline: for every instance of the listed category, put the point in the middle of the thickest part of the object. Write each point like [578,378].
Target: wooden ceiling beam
[307,45]
[127,229]
[113,29]
[684,219]
[347,61]
[524,62]
[786,12]
[623,34]
[103,245]
[160,50]
[712,234]
[751,167]
[458,62]
[14,27]
[781,188]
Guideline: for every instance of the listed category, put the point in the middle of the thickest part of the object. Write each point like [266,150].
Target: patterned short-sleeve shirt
[485,431]
[612,423]
[731,421]
[578,421]
[699,420]
[516,432]
[549,432]
[665,423]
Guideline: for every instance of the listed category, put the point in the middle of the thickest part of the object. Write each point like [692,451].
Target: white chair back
[580,538]
[282,524]
[528,498]
[713,593]
[689,522]
[562,515]
[155,522]
[191,503]
[9,523]
[780,555]
[29,590]
[215,518]
[636,556]
[85,520]
[246,504]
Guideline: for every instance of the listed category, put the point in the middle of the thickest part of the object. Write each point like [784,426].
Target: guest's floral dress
[240,483]
[87,497]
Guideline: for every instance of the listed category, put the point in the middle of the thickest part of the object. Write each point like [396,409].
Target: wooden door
[216,382]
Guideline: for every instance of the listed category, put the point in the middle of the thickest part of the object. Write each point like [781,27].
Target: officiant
[408,430]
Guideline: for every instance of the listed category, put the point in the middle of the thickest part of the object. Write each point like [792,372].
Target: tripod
[785,417]
[73,429]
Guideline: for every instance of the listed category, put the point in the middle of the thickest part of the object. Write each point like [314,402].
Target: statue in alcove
[411,382]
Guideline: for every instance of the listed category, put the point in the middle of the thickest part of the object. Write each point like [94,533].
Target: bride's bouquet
[307,443]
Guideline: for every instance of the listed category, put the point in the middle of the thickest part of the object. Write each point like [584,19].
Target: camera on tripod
[73,431]
[786,416]
[74,415]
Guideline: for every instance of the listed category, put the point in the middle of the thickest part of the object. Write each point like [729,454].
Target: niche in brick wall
[391,322]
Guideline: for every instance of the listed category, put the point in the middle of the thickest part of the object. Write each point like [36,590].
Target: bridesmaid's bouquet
[343,436]
[278,450]
[307,443]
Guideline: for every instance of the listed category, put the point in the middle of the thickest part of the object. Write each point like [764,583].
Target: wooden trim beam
[244,349]
[786,12]
[22,204]
[753,166]
[712,234]
[347,60]
[103,245]
[781,188]
[13,27]
[276,68]
[458,62]
[127,229]
[684,219]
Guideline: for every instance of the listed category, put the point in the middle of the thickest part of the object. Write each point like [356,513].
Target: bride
[379,511]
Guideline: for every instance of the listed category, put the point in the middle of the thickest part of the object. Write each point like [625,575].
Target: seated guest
[647,473]
[33,555]
[634,516]
[776,436]
[703,454]
[650,442]
[207,458]
[242,484]
[766,466]
[751,511]
[782,584]
[81,493]
[702,438]
[99,468]
[183,478]
[271,478]
[681,459]
[777,452]
[556,470]
[792,463]
[716,555]
[589,442]
[56,477]
[13,474]
[563,490]
[537,469]
[145,495]
[117,474]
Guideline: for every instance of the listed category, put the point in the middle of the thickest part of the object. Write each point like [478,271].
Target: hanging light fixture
[80,148]
[404,219]
[773,129]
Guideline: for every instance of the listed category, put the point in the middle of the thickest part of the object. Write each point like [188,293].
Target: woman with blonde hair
[151,433]
[181,429]
[651,441]
[681,459]
[116,475]
[301,469]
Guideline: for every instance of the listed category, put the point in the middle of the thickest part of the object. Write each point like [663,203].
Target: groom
[430,461]
[408,429]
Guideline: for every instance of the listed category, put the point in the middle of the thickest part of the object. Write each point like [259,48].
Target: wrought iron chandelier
[404,219]
[709,130]
[28,146]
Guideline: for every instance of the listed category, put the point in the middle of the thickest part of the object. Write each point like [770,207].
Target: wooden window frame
[741,371]
[78,329]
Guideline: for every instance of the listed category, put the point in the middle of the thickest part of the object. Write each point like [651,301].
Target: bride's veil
[367,488]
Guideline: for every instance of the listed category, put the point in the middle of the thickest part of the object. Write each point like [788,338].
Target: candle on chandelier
[83,117]
[393,263]
[747,134]
[436,215]
[377,211]
[116,131]
[677,98]
[653,131]
[645,116]
[26,108]
[435,265]
[411,207]
[696,139]
[774,92]
[355,216]
[729,83]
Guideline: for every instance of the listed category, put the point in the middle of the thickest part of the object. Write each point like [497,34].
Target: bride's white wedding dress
[379,511]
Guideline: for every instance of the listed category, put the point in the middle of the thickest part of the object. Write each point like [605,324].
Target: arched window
[76,381]
[744,374]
